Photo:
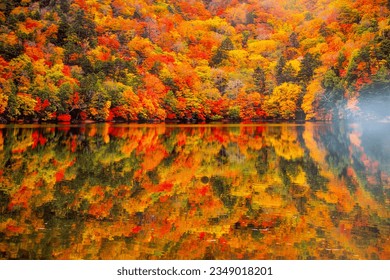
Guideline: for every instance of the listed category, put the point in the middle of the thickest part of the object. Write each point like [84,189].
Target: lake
[256,191]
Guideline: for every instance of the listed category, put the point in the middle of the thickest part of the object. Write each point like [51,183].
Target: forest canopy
[198,60]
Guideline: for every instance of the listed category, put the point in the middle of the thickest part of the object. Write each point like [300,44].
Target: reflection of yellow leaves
[266,201]
[1,141]
[287,145]
[101,209]
[116,250]
[242,190]
[261,198]
[105,134]
[367,201]
[299,183]
[337,193]
[10,227]
[153,158]
[134,205]
[23,144]
[129,147]
[218,230]
[317,153]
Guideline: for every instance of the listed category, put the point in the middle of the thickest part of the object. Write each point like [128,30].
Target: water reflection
[313,191]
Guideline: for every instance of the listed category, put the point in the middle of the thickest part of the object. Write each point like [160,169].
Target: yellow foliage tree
[3,101]
[313,91]
[283,101]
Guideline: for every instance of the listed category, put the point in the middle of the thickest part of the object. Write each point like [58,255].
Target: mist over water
[374,104]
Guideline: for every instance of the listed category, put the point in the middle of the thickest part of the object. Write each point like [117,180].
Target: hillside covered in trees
[204,60]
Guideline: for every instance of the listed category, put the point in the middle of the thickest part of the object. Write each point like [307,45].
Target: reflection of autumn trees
[194,192]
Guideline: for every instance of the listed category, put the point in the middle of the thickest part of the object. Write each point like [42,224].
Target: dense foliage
[193,60]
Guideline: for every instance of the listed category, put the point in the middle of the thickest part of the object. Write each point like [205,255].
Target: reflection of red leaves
[20,198]
[218,135]
[136,229]
[350,172]
[60,175]
[35,137]
[117,132]
[164,198]
[14,229]
[181,139]
[38,138]
[166,186]
[260,130]
[222,240]
[73,145]
[203,191]
[101,210]
[97,191]
[42,140]
[64,128]
[240,256]
[72,162]
[18,151]
[164,229]
[268,224]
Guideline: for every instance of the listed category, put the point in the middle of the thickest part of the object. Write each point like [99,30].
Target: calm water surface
[311,191]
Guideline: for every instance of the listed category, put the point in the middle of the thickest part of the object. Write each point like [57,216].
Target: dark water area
[270,191]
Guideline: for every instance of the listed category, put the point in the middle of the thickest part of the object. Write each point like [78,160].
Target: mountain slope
[193,60]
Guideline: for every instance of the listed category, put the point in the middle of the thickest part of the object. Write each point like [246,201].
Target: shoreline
[207,123]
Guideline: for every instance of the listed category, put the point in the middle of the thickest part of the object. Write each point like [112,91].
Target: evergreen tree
[279,75]
[221,53]
[309,63]
[259,80]
[294,40]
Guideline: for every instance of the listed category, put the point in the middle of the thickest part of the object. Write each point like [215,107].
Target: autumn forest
[200,129]
[210,60]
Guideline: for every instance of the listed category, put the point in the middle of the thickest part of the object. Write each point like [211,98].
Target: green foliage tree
[279,70]
[259,80]
[293,39]
[334,91]
[309,63]
[222,52]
